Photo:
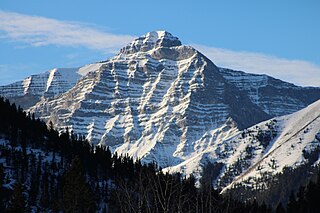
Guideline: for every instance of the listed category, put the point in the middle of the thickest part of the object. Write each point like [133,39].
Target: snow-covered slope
[29,91]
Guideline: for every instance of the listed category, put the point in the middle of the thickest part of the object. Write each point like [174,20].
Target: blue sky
[279,38]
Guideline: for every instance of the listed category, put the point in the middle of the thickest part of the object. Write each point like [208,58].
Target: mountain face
[161,101]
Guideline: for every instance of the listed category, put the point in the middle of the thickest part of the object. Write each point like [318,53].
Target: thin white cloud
[41,31]
[295,71]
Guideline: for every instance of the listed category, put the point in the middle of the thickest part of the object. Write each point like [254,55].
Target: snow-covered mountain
[154,100]
[161,101]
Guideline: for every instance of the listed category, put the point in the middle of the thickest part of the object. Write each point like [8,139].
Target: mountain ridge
[49,84]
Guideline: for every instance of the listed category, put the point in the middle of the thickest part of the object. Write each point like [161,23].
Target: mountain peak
[151,40]
[162,35]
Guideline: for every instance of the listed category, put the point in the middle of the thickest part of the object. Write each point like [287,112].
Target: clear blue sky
[286,31]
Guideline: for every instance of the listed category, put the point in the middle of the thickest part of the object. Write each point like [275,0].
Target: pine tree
[44,199]
[280,208]
[77,196]
[18,202]
[34,185]
[2,176]
[292,205]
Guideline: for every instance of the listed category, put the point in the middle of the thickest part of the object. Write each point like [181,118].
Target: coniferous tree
[292,205]
[18,202]
[44,199]
[77,196]
[33,191]
[280,208]
[2,176]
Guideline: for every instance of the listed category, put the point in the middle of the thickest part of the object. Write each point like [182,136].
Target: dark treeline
[44,171]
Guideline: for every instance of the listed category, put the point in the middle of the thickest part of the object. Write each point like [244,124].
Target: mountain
[154,100]
[161,101]
[50,84]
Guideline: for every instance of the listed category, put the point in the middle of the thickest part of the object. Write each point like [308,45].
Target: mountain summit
[150,41]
